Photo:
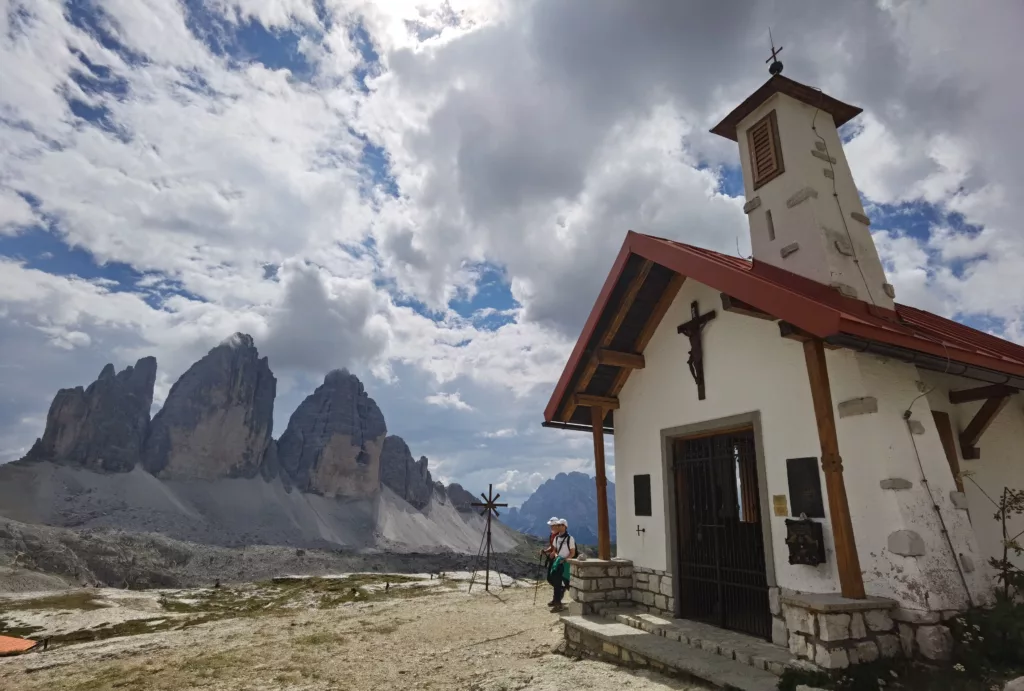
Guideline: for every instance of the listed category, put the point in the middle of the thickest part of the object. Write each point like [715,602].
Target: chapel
[800,460]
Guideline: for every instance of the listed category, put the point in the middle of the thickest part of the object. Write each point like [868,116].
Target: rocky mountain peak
[334,439]
[218,418]
[102,427]
[408,478]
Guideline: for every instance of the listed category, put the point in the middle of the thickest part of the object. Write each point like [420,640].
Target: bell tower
[803,207]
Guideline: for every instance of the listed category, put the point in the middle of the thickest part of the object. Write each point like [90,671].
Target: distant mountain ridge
[572,496]
[101,460]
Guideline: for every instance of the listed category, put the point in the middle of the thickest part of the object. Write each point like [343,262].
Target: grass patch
[82,600]
[17,630]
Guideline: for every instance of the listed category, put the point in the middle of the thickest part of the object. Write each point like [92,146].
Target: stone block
[789,249]
[864,651]
[916,427]
[751,205]
[623,583]
[666,585]
[637,595]
[654,584]
[798,645]
[617,595]
[741,657]
[605,584]
[907,639]
[831,658]
[648,599]
[773,601]
[834,627]
[906,543]
[799,620]
[801,195]
[780,634]
[610,648]
[661,602]
[896,483]
[959,500]
[710,646]
[640,576]
[889,645]
[857,628]
[915,616]
[581,584]
[878,620]
[775,667]
[858,216]
[671,602]
[934,642]
[858,406]
[626,657]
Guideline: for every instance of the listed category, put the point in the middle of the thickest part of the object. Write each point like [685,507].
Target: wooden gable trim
[606,338]
[795,333]
[668,296]
[604,403]
[617,358]
[731,304]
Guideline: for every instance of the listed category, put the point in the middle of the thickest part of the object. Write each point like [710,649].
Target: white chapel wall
[749,367]
[1001,463]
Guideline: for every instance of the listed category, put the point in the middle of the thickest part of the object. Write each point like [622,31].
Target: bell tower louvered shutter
[765,151]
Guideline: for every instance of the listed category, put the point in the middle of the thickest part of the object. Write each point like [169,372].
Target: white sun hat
[554,520]
[564,522]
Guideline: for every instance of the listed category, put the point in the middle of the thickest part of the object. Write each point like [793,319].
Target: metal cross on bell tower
[776,66]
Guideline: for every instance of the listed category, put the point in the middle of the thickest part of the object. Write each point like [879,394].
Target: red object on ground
[15,646]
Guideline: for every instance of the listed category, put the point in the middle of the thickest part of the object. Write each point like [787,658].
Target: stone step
[735,646]
[630,646]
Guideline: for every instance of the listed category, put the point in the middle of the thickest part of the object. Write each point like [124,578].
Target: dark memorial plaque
[806,542]
[642,495]
[805,488]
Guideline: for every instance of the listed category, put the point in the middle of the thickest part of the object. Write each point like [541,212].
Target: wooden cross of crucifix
[692,330]
[489,506]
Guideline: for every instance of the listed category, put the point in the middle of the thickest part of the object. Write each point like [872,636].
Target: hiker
[561,548]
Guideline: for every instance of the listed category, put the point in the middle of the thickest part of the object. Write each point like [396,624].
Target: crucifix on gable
[692,330]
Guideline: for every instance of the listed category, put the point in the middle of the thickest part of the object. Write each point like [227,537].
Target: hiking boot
[558,607]
[552,603]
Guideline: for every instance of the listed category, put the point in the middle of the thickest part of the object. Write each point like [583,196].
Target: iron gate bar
[721,546]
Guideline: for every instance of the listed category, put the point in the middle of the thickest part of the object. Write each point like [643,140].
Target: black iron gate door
[721,564]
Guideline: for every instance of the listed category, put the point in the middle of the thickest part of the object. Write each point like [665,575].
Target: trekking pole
[536,586]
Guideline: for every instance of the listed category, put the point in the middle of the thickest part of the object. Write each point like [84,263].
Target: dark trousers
[558,582]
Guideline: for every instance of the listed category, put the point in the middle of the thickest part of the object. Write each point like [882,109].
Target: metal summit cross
[489,507]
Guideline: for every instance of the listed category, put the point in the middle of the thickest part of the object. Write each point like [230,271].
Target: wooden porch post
[850,578]
[604,543]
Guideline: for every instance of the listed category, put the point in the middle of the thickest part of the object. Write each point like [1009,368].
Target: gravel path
[444,639]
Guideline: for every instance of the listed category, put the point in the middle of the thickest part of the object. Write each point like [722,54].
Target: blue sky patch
[492,299]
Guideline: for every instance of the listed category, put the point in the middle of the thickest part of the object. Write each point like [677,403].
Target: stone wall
[652,591]
[598,584]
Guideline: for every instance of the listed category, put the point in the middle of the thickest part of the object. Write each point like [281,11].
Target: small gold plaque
[779,502]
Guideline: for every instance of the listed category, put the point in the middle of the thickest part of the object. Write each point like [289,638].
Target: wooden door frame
[724,425]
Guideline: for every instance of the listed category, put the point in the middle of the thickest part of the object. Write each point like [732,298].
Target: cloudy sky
[431,193]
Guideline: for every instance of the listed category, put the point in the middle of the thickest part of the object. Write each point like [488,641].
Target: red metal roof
[811,306]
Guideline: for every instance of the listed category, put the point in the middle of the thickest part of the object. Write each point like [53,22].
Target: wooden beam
[588,400]
[605,340]
[617,358]
[647,333]
[945,430]
[981,393]
[731,304]
[604,543]
[851,579]
[976,427]
[795,333]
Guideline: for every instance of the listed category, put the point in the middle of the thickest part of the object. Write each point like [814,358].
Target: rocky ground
[36,557]
[361,631]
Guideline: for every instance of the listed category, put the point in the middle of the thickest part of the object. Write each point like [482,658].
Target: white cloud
[448,400]
[527,135]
